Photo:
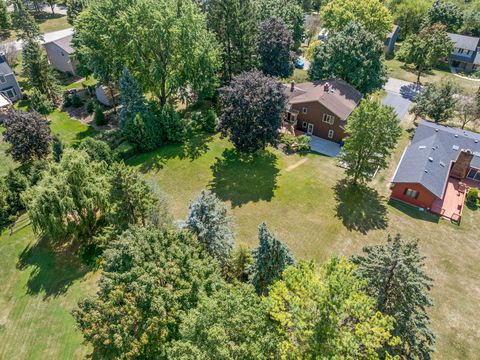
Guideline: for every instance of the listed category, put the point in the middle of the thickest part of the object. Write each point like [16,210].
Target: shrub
[472,198]
[90,106]
[209,121]
[97,150]
[99,116]
[124,151]
[40,102]
[303,143]
[76,100]
[289,143]
[173,125]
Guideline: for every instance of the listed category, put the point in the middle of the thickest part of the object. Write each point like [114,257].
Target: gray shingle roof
[428,158]
[5,69]
[464,42]
[65,44]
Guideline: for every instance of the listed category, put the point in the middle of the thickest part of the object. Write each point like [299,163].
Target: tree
[74,8]
[28,135]
[275,48]
[231,324]
[152,277]
[175,56]
[209,221]
[353,55]
[436,102]
[445,13]
[71,199]
[373,132]
[326,316]
[396,279]
[409,16]
[52,4]
[311,49]
[372,15]
[132,99]
[57,148]
[239,265]
[471,21]
[252,106]
[40,102]
[97,150]
[271,258]
[426,48]
[38,71]
[132,201]
[25,23]
[234,23]
[5,18]
[312,25]
[468,109]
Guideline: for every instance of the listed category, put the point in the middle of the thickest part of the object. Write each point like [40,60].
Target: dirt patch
[297,164]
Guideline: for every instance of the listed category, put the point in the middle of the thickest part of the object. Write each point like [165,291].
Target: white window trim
[327,118]
[304,110]
[412,193]
[12,91]
[330,134]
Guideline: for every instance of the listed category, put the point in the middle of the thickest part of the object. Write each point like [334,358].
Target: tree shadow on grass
[195,145]
[53,269]
[359,207]
[243,178]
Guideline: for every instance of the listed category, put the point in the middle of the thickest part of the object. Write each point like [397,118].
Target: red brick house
[321,108]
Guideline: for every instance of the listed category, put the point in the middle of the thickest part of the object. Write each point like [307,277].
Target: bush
[472,198]
[40,102]
[303,143]
[76,100]
[143,132]
[174,127]
[124,151]
[210,121]
[97,150]
[90,106]
[99,116]
[289,143]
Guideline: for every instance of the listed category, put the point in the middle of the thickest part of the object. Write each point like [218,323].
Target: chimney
[326,87]
[462,165]
[292,86]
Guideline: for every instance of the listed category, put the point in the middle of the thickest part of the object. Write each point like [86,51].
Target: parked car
[299,64]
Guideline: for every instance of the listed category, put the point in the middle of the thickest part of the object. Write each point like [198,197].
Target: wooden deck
[451,206]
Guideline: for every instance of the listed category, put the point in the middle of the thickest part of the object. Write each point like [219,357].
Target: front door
[310,129]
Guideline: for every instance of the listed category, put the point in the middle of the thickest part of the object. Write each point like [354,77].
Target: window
[328,119]
[2,79]
[411,193]
[330,134]
[304,125]
[474,174]
[63,54]
[10,93]
[304,110]
[460,51]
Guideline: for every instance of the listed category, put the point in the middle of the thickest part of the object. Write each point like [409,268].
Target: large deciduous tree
[409,16]
[252,108]
[446,13]
[28,29]
[353,55]
[209,221]
[271,257]
[165,43]
[396,279]
[28,135]
[152,277]
[372,15]
[235,24]
[275,48]
[327,316]
[436,102]
[425,49]
[232,324]
[74,8]
[5,18]
[373,132]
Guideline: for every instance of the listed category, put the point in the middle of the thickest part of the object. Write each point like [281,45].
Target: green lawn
[47,23]
[70,131]
[399,70]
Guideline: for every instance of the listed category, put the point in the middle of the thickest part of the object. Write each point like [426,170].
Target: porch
[317,144]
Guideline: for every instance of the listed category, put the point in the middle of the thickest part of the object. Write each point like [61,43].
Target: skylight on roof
[455,147]
[422,147]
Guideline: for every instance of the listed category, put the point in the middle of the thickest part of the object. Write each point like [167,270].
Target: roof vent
[442,164]
[436,130]
[476,141]
[430,159]
[426,170]
[422,147]
[456,135]
[455,147]
[476,153]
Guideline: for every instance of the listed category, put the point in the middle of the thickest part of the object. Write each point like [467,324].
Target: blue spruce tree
[131,98]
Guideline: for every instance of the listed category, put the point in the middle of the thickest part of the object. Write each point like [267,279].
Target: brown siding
[425,198]
[314,115]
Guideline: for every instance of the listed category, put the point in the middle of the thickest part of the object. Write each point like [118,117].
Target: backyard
[302,200]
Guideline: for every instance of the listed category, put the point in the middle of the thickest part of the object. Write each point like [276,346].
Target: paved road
[400,95]
[48,37]
[59,9]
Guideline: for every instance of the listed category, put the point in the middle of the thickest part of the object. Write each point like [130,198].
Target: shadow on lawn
[359,207]
[195,145]
[243,178]
[52,271]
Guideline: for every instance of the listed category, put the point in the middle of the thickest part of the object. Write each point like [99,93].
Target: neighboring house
[8,82]
[391,40]
[323,34]
[466,55]
[437,168]
[321,108]
[60,53]
[105,96]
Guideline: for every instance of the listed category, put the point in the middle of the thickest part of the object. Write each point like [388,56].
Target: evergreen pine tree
[131,98]
[25,23]
[5,19]
[57,148]
[208,219]
[396,278]
[270,259]
[38,71]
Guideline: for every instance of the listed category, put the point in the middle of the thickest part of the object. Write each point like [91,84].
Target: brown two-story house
[321,108]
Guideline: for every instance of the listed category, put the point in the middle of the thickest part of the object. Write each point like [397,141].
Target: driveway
[400,95]
[324,147]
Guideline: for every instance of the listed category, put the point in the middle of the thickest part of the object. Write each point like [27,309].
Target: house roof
[5,69]
[428,158]
[464,41]
[65,44]
[341,98]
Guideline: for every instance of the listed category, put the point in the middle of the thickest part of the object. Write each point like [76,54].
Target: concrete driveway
[324,147]
[400,95]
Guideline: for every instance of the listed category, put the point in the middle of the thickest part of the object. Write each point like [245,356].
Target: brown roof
[65,44]
[340,97]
